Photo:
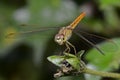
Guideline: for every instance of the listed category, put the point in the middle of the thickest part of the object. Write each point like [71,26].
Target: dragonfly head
[59,38]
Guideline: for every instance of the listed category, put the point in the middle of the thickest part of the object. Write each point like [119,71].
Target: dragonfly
[65,33]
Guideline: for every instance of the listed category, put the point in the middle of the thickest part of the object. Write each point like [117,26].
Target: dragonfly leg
[67,48]
[72,46]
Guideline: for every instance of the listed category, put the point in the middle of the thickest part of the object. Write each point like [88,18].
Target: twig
[101,73]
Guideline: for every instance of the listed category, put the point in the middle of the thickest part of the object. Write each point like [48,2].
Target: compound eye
[58,38]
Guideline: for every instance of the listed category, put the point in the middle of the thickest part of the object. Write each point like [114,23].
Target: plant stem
[101,73]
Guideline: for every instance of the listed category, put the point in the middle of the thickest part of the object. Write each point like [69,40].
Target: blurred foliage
[71,78]
[108,62]
[104,20]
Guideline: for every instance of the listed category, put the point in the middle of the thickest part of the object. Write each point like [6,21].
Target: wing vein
[82,37]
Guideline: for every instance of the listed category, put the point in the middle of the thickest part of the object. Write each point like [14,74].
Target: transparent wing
[90,43]
[110,45]
[29,32]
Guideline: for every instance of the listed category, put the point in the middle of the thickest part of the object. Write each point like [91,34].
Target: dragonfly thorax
[63,35]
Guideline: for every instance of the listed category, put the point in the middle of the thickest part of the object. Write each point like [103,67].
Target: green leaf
[111,17]
[69,55]
[80,77]
[92,77]
[56,60]
[106,62]
[73,60]
[107,3]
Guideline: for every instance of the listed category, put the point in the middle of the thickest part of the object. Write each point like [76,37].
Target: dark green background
[24,57]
